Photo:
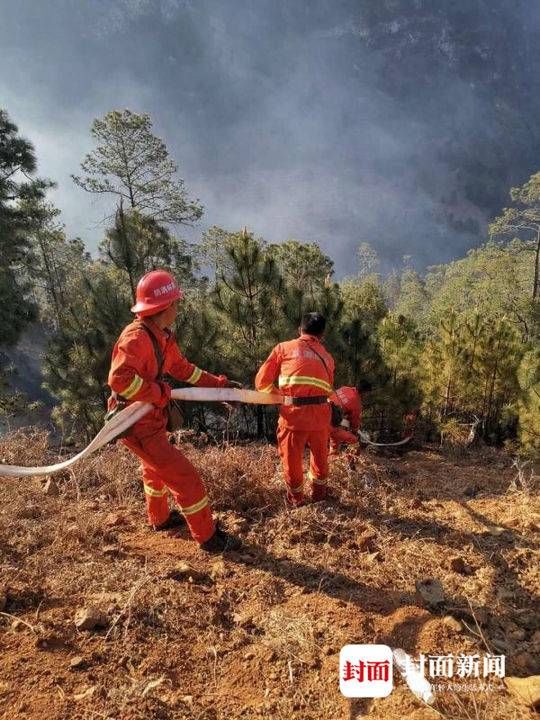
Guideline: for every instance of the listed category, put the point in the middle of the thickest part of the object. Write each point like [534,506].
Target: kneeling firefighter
[347,414]
[145,352]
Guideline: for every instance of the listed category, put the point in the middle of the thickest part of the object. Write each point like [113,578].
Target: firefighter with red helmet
[145,352]
[347,414]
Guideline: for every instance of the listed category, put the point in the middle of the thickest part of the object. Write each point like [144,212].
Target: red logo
[365,670]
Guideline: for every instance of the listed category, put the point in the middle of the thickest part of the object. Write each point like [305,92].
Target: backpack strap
[157,350]
[175,413]
[320,358]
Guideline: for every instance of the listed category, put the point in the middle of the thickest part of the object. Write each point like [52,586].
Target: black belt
[308,400]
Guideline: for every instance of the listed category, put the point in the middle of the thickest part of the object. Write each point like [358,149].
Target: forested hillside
[454,347]
[373,161]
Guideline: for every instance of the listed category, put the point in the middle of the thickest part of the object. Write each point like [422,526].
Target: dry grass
[291,635]
[258,634]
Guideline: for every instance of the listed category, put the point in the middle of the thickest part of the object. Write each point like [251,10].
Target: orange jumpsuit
[133,376]
[300,372]
[350,402]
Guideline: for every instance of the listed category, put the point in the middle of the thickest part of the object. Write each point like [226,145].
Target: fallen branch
[135,589]
[18,619]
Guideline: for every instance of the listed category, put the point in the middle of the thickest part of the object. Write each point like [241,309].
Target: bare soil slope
[257,634]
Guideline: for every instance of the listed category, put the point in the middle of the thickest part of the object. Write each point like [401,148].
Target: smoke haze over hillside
[398,123]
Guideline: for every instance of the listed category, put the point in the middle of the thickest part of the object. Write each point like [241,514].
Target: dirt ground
[257,634]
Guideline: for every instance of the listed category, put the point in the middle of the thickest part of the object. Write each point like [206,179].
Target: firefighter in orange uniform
[135,374]
[304,372]
[348,401]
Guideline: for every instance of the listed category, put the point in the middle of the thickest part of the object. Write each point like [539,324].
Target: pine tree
[444,361]
[20,192]
[363,307]
[499,355]
[244,295]
[368,261]
[132,164]
[330,304]
[246,298]
[469,371]
[137,244]
[414,300]
[77,361]
[212,250]
[199,332]
[307,285]
[397,390]
[523,220]
[303,267]
[54,267]
[529,402]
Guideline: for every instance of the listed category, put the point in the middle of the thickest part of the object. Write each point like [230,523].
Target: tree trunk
[381,422]
[260,422]
[491,391]
[536,284]
[51,285]
[447,396]
[127,259]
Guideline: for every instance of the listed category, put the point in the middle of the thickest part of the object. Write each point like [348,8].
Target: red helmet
[155,291]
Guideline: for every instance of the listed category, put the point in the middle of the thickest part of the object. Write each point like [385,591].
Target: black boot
[175,520]
[221,541]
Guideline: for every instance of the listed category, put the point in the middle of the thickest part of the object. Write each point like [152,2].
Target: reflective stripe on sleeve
[288,380]
[195,376]
[133,388]
[267,389]
[154,493]
[191,509]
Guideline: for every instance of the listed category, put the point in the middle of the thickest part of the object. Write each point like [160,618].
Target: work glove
[234,384]
[231,405]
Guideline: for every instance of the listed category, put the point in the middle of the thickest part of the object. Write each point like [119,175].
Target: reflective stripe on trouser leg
[291,444]
[319,487]
[196,507]
[317,481]
[164,462]
[155,495]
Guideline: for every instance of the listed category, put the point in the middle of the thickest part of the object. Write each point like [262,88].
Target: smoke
[329,122]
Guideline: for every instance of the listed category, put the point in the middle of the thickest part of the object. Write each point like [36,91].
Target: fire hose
[136,411]
[364,438]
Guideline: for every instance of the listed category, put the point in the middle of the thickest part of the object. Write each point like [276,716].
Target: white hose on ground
[136,411]
[364,437]
[410,672]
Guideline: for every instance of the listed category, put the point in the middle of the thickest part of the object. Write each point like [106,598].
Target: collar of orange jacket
[306,336]
[158,332]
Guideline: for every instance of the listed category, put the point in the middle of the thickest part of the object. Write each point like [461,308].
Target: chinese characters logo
[365,670]
[462,666]
[164,289]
